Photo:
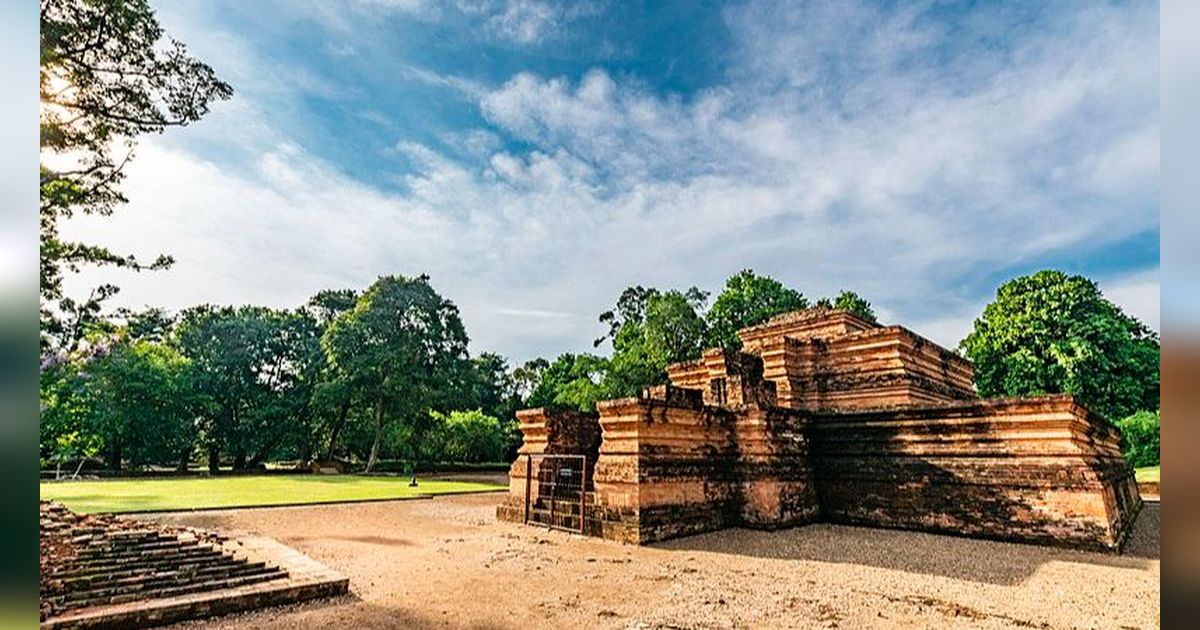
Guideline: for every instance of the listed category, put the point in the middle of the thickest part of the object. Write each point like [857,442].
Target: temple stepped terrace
[826,417]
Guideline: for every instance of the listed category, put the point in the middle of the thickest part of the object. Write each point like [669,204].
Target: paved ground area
[448,563]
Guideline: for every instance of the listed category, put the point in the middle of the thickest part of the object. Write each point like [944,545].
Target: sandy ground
[448,563]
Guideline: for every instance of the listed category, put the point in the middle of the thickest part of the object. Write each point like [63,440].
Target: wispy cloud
[845,146]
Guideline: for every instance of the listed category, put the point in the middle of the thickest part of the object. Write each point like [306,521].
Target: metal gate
[556,489]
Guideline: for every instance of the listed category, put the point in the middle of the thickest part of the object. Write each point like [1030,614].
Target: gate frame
[529,457]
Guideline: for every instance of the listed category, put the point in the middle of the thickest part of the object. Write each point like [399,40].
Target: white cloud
[872,172]
[530,22]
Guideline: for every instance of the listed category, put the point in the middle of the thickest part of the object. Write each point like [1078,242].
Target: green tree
[1140,438]
[402,348]
[748,299]
[527,376]
[150,324]
[468,436]
[850,301]
[129,400]
[107,76]
[572,381]
[492,386]
[142,406]
[665,328]
[255,365]
[332,396]
[1053,333]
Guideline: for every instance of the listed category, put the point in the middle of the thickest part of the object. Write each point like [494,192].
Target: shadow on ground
[975,560]
[370,540]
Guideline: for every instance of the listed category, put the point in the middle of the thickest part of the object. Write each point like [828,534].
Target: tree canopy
[256,367]
[748,299]
[1050,332]
[850,301]
[107,76]
[402,347]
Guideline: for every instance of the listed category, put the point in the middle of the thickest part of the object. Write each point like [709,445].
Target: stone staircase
[562,513]
[109,564]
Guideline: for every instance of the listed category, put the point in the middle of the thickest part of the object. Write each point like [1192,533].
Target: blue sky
[535,158]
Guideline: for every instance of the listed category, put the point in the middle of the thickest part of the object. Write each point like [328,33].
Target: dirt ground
[448,563]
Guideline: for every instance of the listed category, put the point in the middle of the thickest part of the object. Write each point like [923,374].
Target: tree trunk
[185,456]
[239,459]
[378,434]
[114,456]
[306,449]
[337,429]
[214,458]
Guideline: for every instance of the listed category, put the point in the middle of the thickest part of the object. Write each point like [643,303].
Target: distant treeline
[385,372]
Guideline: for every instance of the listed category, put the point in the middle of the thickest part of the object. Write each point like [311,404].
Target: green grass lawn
[140,495]
[1149,473]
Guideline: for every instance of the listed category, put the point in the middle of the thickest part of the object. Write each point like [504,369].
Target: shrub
[468,436]
[1140,438]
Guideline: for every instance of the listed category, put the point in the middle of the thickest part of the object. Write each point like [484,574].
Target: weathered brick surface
[547,432]
[826,416]
[1039,470]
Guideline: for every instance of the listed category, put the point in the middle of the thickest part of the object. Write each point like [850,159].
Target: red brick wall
[1037,470]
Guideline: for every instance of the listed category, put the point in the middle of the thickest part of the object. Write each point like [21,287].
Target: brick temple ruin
[826,417]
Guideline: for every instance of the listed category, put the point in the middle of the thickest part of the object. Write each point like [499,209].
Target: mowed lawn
[1148,474]
[141,495]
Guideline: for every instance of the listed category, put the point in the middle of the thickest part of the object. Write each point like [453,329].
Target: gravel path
[448,563]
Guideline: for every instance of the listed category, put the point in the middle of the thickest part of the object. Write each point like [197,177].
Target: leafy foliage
[402,347]
[256,368]
[133,401]
[572,381]
[748,300]
[850,301]
[365,375]
[1140,438]
[468,436]
[1053,333]
[106,77]
[664,328]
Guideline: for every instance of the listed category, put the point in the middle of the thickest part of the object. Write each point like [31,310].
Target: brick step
[195,572]
[559,518]
[145,543]
[193,565]
[118,553]
[133,534]
[151,554]
[122,555]
[190,556]
[147,584]
[187,589]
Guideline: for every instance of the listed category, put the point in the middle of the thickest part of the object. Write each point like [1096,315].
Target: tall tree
[527,376]
[850,301]
[1053,333]
[492,387]
[132,399]
[573,381]
[664,329]
[403,348]
[107,76]
[253,363]
[332,393]
[748,299]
